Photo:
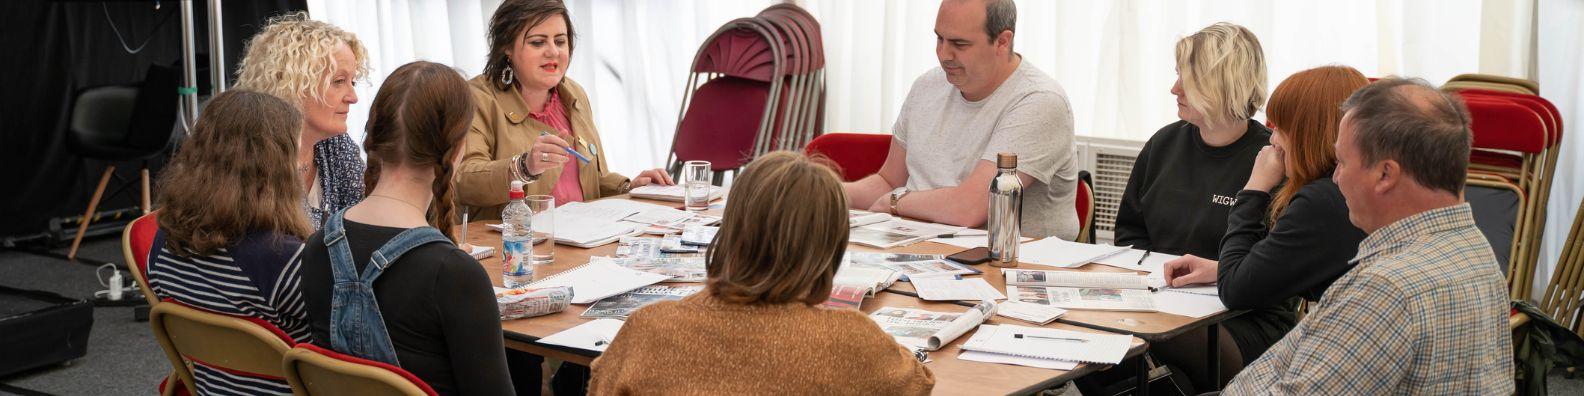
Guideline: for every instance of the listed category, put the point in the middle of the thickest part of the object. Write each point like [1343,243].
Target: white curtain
[1115,58]
[1561,61]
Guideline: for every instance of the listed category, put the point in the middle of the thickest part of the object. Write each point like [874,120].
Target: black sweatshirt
[1264,269]
[1181,190]
[438,306]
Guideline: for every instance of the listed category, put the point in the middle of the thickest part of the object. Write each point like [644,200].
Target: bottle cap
[1006,160]
[517,190]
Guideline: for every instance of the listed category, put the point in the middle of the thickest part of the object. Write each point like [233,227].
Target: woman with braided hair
[414,142]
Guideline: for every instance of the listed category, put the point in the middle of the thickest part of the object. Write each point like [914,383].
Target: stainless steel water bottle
[1005,217]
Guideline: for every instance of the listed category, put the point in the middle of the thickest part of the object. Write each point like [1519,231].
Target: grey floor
[124,359]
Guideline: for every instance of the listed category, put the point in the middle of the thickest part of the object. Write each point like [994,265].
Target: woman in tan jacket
[530,113]
[757,328]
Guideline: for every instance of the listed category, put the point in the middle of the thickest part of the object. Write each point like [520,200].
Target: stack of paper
[599,279]
[1059,253]
[860,218]
[1129,259]
[898,232]
[947,289]
[672,193]
[1047,347]
[596,335]
[1030,312]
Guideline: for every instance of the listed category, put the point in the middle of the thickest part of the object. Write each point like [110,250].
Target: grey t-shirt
[946,136]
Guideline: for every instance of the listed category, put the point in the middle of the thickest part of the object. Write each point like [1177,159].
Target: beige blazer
[502,129]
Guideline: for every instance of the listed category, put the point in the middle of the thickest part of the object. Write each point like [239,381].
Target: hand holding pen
[548,152]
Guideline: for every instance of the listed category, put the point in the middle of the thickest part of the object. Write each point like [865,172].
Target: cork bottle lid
[1006,160]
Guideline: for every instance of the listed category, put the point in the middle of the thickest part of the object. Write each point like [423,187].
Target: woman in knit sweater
[757,327]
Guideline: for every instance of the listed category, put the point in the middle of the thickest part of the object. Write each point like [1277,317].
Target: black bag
[41,328]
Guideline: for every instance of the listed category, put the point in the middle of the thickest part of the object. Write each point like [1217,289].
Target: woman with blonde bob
[1258,270]
[1187,176]
[757,327]
[313,65]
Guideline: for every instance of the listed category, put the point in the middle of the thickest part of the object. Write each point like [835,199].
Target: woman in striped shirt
[231,224]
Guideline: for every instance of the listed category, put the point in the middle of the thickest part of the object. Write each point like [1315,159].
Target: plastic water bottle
[517,240]
[1005,216]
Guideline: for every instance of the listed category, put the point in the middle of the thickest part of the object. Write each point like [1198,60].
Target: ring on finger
[544,157]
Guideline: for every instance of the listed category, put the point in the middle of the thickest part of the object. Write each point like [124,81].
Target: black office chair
[123,123]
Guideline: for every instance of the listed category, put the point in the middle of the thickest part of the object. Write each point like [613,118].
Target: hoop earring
[507,76]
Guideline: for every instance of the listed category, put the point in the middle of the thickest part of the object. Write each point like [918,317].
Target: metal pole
[217,67]
[189,89]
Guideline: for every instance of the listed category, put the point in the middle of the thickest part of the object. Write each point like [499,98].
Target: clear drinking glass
[543,209]
[697,177]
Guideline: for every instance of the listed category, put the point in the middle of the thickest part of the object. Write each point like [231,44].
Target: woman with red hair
[1283,240]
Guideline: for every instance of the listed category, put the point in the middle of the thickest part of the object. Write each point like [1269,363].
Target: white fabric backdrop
[1114,58]
[1560,64]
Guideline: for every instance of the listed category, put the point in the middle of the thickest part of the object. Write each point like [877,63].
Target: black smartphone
[971,256]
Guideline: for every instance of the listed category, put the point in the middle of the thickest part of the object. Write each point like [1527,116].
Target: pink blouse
[567,188]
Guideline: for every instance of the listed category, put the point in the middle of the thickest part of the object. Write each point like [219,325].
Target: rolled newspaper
[525,303]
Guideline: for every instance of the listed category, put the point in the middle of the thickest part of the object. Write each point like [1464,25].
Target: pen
[601,342]
[1141,258]
[569,150]
[1049,338]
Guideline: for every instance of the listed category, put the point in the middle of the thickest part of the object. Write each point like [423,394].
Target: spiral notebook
[596,280]
[1049,344]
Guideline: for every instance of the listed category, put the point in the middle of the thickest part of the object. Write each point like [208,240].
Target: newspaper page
[1082,298]
[1099,280]
[910,265]
[621,305]
[847,296]
[928,329]
[523,303]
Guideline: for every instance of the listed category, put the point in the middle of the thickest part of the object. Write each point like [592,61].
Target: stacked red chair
[1516,144]
[756,85]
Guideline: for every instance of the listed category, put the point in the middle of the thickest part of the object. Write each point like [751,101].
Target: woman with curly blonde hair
[313,65]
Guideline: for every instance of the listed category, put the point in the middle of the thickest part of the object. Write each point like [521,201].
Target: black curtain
[52,50]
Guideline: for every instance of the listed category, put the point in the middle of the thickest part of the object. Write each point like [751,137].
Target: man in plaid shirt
[1424,310]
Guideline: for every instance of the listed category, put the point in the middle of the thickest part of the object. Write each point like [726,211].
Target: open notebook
[599,279]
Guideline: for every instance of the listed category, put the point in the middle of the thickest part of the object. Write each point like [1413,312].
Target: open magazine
[928,329]
[870,279]
[1101,280]
[847,296]
[898,232]
[621,305]
[1084,298]
[910,265]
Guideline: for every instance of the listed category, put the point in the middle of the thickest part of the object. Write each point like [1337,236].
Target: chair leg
[145,189]
[93,204]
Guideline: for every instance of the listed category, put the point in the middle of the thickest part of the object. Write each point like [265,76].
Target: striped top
[256,277]
[1424,311]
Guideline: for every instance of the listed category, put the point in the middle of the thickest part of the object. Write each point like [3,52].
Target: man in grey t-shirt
[983,100]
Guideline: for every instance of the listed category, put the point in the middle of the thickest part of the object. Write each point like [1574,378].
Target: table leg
[1214,331]
[1142,387]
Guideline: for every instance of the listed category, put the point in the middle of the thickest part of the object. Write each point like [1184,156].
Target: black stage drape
[50,51]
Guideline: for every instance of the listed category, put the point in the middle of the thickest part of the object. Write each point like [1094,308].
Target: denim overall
[356,326]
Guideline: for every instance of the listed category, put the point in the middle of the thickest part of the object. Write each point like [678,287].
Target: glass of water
[697,177]
[543,209]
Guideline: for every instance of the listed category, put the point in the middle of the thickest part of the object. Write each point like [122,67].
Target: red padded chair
[238,345]
[136,243]
[1086,209]
[313,370]
[857,155]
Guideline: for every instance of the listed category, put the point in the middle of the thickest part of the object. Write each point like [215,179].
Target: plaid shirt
[1424,311]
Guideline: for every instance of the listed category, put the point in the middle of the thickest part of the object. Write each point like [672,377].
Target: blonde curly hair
[1223,72]
[292,58]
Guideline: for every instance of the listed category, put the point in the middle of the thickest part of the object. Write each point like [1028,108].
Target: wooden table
[953,376]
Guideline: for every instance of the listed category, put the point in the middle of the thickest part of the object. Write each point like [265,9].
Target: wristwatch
[896,197]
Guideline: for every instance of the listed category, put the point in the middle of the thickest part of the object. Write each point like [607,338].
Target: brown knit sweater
[702,345]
